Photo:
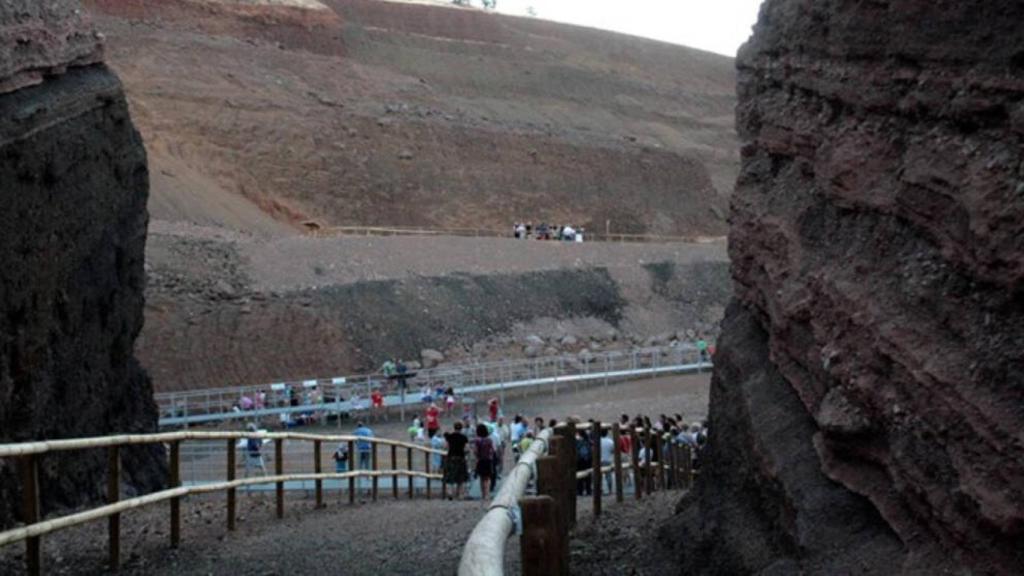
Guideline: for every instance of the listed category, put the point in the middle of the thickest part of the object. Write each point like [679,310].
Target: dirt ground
[373,112]
[384,537]
[226,308]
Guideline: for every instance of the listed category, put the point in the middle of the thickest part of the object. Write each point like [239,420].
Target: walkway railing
[340,395]
[334,231]
[28,454]
[544,520]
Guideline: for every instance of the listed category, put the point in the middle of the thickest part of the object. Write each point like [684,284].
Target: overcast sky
[714,25]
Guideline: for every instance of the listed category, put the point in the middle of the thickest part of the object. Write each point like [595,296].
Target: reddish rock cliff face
[73,189]
[868,401]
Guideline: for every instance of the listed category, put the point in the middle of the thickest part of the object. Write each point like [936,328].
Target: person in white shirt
[607,456]
[568,234]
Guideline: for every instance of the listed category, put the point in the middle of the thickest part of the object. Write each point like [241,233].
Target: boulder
[430,357]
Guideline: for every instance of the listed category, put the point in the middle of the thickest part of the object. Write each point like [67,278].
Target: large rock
[431,358]
[867,402]
[72,234]
[43,38]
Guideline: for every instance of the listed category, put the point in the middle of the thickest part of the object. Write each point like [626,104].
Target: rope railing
[28,455]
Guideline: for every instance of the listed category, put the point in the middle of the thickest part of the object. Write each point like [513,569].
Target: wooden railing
[334,231]
[547,517]
[27,455]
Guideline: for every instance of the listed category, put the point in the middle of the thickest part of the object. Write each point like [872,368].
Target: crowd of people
[544,231]
[477,448]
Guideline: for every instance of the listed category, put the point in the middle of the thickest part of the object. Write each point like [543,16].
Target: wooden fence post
[174,482]
[649,467]
[617,456]
[571,472]
[353,463]
[231,476]
[551,483]
[318,467]
[113,495]
[659,449]
[30,511]
[408,456]
[597,480]
[540,544]
[394,467]
[426,467]
[279,471]
[373,464]
[638,481]
[687,467]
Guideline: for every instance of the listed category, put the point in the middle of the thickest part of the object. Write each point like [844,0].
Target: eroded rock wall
[869,395]
[73,189]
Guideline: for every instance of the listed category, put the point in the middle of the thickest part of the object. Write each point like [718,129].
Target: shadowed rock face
[72,235]
[868,402]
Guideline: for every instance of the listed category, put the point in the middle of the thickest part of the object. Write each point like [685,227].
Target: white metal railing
[335,396]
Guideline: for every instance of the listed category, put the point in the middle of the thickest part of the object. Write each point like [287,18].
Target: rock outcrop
[73,189]
[867,408]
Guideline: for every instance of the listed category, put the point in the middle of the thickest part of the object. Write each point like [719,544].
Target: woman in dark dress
[483,446]
[455,471]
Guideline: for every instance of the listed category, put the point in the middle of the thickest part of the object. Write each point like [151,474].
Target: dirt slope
[371,112]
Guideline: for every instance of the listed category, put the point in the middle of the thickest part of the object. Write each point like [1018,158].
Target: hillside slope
[372,112]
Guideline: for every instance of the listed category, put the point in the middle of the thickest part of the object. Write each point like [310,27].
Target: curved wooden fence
[544,520]
[27,455]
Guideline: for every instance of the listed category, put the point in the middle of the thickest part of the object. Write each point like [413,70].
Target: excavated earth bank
[73,189]
[868,401]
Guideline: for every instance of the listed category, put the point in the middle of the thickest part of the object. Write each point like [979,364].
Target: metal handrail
[220,404]
[333,231]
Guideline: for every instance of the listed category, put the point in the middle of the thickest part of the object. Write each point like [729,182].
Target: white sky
[715,25]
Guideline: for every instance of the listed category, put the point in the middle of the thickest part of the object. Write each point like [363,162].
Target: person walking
[607,455]
[254,453]
[432,419]
[584,486]
[455,471]
[483,447]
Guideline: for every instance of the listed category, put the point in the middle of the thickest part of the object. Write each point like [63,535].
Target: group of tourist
[475,449]
[543,231]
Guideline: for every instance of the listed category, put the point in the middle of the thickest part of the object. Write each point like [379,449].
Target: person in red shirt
[492,408]
[377,403]
[433,418]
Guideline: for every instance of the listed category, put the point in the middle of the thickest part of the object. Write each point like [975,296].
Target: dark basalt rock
[73,191]
[868,402]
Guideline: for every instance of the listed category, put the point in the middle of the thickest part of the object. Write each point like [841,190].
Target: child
[341,458]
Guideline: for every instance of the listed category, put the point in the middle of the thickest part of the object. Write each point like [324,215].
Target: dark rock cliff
[867,408]
[73,190]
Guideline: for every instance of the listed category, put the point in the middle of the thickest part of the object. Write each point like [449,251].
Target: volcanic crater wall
[73,190]
[868,402]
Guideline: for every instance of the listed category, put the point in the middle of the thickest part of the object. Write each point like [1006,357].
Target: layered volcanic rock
[868,401]
[40,38]
[72,235]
